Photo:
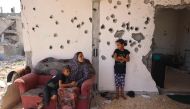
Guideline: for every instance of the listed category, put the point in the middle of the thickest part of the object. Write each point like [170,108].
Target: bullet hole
[56,22]
[72,20]
[139,46]
[62,47]
[147,20]
[82,23]
[128,5]
[75,18]
[129,13]
[86,31]
[34,9]
[99,40]
[130,41]
[114,20]
[102,26]
[152,3]
[94,9]
[93,45]
[78,26]
[99,33]
[119,33]
[118,2]
[62,11]
[50,47]
[128,26]
[112,16]
[136,49]
[144,27]
[111,30]
[108,43]
[37,26]
[51,16]
[33,29]
[110,1]
[107,18]
[133,44]
[103,57]
[131,27]
[136,29]
[90,19]
[55,34]
[138,37]
[149,1]
[68,41]
[115,7]
[123,25]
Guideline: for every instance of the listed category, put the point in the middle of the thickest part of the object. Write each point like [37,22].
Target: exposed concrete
[138,37]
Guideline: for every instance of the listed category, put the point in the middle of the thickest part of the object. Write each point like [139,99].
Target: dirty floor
[139,102]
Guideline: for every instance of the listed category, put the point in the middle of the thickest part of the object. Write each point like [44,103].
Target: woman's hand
[73,84]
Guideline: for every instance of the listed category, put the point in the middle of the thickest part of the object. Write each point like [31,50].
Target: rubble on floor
[6,65]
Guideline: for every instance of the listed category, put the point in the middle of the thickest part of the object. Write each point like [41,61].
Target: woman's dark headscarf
[79,70]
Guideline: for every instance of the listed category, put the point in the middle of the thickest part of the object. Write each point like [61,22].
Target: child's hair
[121,41]
[67,67]
[78,53]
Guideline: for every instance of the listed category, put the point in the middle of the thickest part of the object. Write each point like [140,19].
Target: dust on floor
[139,102]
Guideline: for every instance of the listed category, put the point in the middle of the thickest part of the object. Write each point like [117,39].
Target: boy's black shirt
[123,53]
[54,82]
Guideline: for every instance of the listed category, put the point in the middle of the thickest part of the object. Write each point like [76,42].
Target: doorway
[171,41]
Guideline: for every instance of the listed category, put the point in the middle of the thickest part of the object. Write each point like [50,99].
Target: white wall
[38,41]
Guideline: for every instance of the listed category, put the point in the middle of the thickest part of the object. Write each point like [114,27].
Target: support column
[2,37]
[95,35]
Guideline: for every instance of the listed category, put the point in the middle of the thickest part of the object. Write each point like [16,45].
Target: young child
[60,80]
[121,56]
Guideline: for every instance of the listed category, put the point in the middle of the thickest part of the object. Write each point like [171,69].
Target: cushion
[47,65]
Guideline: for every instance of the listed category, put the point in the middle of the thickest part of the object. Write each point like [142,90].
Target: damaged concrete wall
[61,27]
[134,17]
[58,28]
